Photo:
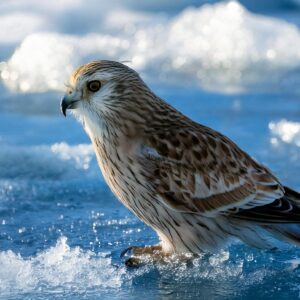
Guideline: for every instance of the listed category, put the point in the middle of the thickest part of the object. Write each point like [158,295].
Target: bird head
[97,86]
[104,94]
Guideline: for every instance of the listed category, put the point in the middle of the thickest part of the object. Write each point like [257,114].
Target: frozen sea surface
[61,229]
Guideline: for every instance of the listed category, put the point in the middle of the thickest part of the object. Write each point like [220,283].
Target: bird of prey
[194,186]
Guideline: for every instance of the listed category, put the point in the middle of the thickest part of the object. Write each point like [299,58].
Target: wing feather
[198,170]
[283,210]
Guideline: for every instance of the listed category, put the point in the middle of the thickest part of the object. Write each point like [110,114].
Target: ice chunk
[226,44]
[285,131]
[82,154]
[44,61]
[60,266]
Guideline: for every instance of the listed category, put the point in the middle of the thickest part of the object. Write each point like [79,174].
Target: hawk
[194,186]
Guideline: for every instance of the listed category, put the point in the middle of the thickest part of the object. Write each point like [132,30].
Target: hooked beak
[67,102]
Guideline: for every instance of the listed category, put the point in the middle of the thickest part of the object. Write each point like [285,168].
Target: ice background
[232,65]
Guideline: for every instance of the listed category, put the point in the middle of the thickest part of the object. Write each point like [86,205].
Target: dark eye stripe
[94,85]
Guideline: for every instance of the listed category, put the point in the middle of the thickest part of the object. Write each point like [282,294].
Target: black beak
[67,103]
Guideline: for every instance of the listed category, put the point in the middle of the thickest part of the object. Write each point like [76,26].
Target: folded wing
[197,170]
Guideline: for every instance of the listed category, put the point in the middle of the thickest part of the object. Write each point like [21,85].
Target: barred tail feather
[281,218]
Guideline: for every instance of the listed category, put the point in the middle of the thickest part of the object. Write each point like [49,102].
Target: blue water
[62,230]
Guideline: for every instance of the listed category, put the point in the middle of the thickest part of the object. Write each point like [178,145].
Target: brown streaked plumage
[192,185]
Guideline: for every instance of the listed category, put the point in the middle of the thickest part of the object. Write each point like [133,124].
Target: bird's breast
[125,175]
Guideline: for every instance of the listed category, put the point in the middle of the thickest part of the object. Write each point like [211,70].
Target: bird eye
[94,86]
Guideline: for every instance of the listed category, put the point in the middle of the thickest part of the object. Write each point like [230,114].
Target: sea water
[61,229]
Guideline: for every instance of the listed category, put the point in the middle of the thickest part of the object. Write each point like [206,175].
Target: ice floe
[218,46]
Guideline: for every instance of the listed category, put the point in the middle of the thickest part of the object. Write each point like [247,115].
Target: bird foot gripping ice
[139,253]
[154,254]
[192,185]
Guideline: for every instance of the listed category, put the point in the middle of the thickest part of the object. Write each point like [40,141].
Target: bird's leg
[141,255]
[154,252]
[137,251]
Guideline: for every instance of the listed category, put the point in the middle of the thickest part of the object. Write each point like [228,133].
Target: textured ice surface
[56,269]
[61,230]
[217,46]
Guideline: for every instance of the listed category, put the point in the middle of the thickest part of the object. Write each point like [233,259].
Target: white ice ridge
[57,267]
[285,131]
[81,154]
[54,161]
[215,45]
